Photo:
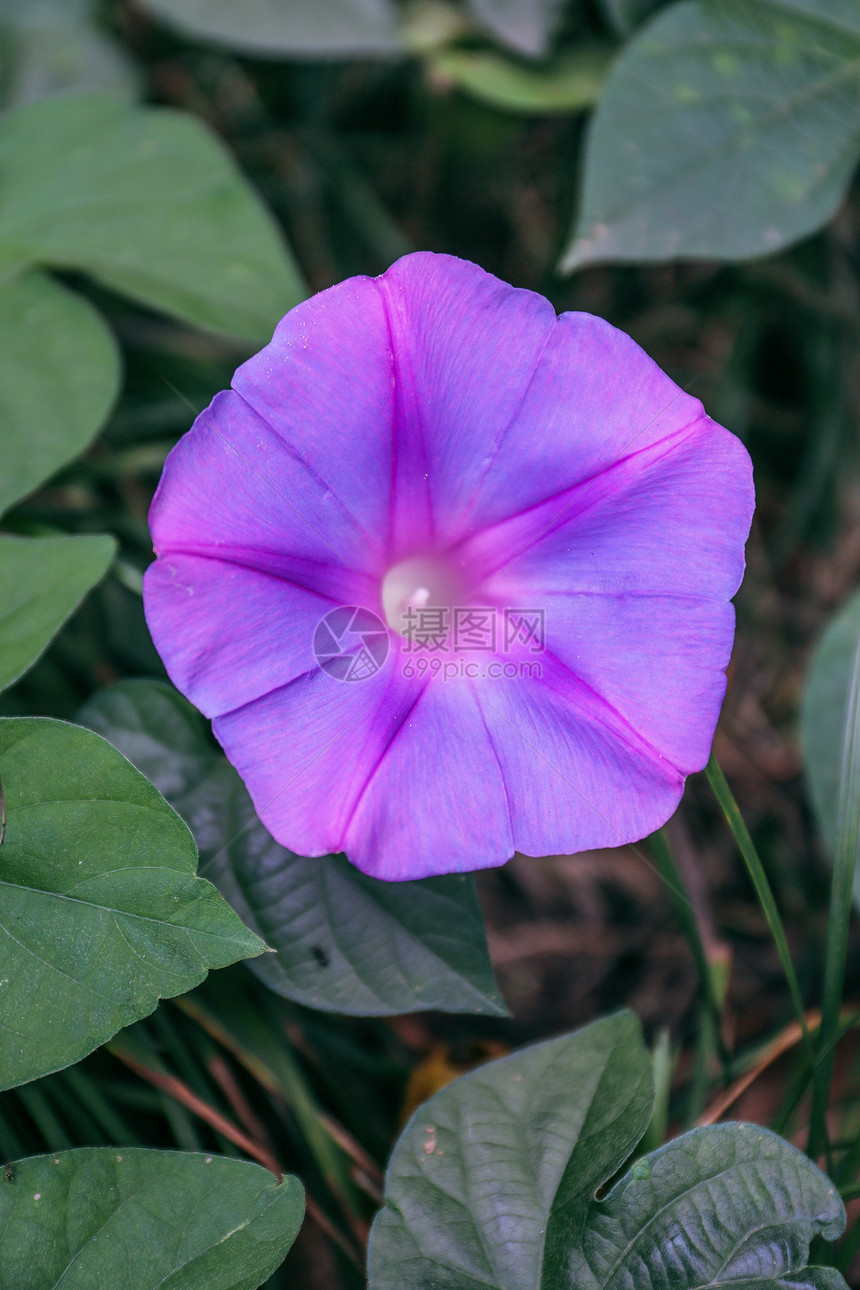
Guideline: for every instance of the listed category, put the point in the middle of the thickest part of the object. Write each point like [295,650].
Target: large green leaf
[100,912]
[144,1220]
[492,1186]
[825,704]
[345,942]
[42,580]
[485,1167]
[733,1205]
[280,28]
[59,376]
[148,202]
[728,129]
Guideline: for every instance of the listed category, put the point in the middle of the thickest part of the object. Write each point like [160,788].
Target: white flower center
[422,582]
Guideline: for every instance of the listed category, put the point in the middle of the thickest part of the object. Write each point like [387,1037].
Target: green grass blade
[45,1119]
[685,912]
[11,1147]
[84,1089]
[755,868]
[841,897]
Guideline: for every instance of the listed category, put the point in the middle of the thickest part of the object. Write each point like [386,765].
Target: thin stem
[663,1059]
[702,1078]
[685,912]
[755,868]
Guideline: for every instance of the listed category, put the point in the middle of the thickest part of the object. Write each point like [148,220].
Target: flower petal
[228,634]
[465,346]
[232,483]
[325,387]
[634,572]
[305,751]
[577,775]
[657,661]
[672,519]
[504,403]
[436,801]
[252,554]
[400,774]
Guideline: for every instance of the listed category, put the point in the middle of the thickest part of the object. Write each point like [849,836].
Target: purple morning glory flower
[451,575]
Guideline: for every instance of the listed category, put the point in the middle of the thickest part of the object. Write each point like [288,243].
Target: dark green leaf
[100,912]
[504,1162]
[42,581]
[733,1205]
[149,202]
[728,129]
[572,82]
[144,1220]
[525,25]
[345,942]
[278,28]
[492,1186]
[59,376]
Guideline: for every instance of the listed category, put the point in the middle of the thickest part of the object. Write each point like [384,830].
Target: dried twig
[784,1041]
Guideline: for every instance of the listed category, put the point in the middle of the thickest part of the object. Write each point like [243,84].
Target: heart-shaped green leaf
[732,1205]
[345,942]
[42,580]
[279,28]
[148,202]
[100,912]
[728,129]
[143,1220]
[492,1186]
[59,376]
[502,1164]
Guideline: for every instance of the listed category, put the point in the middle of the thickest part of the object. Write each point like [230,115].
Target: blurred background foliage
[682,169]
